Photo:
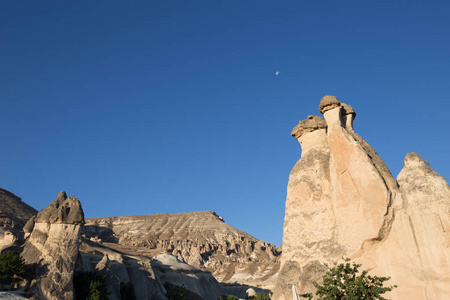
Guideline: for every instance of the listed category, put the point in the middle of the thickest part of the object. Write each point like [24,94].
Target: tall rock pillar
[308,235]
[342,201]
[360,195]
[337,200]
[53,245]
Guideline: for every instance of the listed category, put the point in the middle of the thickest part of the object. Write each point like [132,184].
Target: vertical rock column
[360,195]
[308,233]
[53,245]
[427,215]
[338,199]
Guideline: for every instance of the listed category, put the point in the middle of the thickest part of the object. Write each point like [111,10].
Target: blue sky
[145,107]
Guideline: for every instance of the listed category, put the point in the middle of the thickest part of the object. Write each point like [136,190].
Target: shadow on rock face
[99,233]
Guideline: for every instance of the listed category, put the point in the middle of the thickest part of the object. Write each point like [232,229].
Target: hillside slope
[201,239]
[13,212]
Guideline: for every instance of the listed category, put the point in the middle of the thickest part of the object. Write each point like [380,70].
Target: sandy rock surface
[200,239]
[53,245]
[342,201]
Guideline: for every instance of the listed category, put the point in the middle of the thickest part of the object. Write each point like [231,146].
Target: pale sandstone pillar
[342,201]
[307,232]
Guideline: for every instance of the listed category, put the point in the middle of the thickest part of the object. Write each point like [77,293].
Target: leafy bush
[260,296]
[127,291]
[343,282]
[229,297]
[11,266]
[90,286]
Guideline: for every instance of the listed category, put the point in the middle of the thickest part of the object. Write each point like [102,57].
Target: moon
[276,73]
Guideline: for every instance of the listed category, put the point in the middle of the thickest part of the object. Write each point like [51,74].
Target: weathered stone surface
[427,214]
[347,109]
[311,124]
[53,245]
[66,210]
[171,270]
[13,212]
[342,201]
[327,103]
[11,296]
[350,115]
[121,268]
[200,239]
[8,237]
[13,216]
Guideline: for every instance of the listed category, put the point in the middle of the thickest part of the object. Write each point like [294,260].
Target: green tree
[11,267]
[98,290]
[343,282]
[90,286]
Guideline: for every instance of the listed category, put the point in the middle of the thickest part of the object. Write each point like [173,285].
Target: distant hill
[13,212]
[201,239]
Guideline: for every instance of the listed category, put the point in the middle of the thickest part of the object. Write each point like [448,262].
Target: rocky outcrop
[13,215]
[53,246]
[342,201]
[13,212]
[171,270]
[120,268]
[200,239]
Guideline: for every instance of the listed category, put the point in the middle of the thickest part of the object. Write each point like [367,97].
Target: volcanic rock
[342,201]
[328,103]
[53,245]
[13,212]
[13,215]
[200,239]
[311,124]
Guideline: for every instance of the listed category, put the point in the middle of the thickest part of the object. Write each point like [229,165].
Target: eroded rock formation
[13,215]
[342,201]
[200,239]
[146,251]
[53,246]
[13,212]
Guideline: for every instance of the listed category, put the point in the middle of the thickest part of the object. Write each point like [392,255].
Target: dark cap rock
[310,124]
[327,103]
[347,109]
[66,210]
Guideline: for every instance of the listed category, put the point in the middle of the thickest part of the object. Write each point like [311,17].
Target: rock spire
[342,201]
[53,243]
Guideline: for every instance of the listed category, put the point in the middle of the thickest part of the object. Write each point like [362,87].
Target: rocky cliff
[200,239]
[342,201]
[52,245]
[13,212]
[13,215]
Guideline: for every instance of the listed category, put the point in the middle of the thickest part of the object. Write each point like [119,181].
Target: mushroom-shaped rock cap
[66,210]
[327,103]
[348,109]
[311,124]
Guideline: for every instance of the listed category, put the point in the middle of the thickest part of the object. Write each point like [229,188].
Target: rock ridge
[201,239]
[14,213]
